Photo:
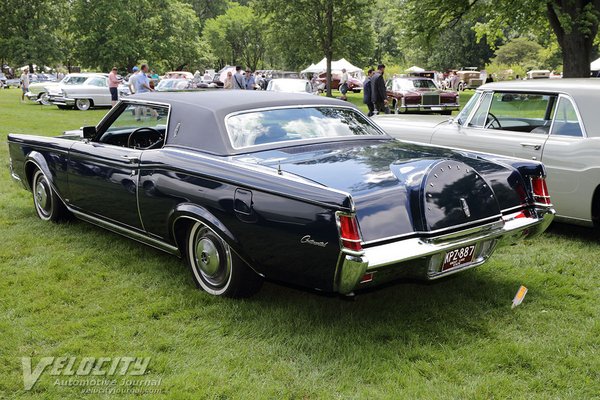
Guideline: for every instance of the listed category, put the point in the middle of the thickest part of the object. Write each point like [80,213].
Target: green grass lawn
[76,290]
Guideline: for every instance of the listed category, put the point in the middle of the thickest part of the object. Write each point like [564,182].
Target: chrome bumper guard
[60,100]
[428,253]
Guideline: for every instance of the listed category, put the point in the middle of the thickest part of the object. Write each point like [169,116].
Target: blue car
[251,185]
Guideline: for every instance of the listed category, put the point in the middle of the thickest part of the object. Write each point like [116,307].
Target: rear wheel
[47,204]
[83,104]
[215,267]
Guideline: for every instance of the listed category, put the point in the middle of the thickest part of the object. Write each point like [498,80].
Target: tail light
[540,190]
[349,234]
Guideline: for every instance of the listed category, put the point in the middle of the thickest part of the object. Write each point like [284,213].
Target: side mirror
[89,132]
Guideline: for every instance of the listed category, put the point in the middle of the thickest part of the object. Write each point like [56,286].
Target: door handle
[131,159]
[535,146]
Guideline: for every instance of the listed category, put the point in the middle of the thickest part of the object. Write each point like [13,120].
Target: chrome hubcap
[41,195]
[212,259]
[207,257]
[83,104]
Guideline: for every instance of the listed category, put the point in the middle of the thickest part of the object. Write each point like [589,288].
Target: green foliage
[520,51]
[29,32]
[237,37]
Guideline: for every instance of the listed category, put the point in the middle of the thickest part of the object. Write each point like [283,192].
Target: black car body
[294,188]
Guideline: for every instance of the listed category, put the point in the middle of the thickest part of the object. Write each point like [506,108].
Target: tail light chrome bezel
[345,242]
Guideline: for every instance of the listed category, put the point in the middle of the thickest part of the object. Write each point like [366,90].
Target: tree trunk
[329,44]
[576,41]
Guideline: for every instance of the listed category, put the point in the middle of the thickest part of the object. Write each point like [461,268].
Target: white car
[290,86]
[82,91]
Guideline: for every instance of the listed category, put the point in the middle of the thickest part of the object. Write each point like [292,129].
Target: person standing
[238,79]
[132,78]
[343,88]
[228,84]
[250,80]
[142,82]
[24,83]
[113,84]
[367,96]
[378,91]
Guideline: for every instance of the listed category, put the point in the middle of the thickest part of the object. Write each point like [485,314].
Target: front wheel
[83,104]
[43,99]
[216,268]
[47,203]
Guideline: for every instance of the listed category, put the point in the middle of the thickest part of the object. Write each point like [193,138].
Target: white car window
[521,112]
[480,117]
[101,82]
[566,122]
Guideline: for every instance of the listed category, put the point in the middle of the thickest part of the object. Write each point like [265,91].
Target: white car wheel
[44,99]
[83,104]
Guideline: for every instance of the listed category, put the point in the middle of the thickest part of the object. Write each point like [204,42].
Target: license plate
[457,257]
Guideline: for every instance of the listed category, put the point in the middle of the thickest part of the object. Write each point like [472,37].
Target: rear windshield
[289,124]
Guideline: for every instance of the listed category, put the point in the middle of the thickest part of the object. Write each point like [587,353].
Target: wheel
[216,268]
[47,204]
[43,98]
[461,87]
[83,104]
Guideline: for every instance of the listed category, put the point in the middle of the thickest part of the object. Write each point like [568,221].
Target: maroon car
[415,94]
[354,85]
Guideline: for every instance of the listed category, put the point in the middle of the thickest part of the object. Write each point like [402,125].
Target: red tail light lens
[349,234]
[540,190]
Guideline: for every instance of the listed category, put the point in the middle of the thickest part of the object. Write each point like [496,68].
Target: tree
[522,51]
[322,28]
[574,22]
[29,33]
[238,36]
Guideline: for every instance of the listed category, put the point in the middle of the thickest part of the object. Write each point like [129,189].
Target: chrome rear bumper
[423,257]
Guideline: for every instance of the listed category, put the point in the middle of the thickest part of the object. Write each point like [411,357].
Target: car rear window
[289,124]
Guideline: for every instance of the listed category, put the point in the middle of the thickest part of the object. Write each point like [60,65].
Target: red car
[354,85]
[414,94]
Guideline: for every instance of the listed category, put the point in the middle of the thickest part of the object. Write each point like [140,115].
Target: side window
[480,117]
[97,82]
[566,122]
[521,112]
[464,114]
[149,120]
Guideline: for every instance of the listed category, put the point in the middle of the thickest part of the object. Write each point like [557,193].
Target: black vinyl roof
[197,118]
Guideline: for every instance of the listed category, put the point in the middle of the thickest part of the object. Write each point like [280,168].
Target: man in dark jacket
[367,97]
[378,92]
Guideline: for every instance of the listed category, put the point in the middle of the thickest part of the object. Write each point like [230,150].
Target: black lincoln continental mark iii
[293,188]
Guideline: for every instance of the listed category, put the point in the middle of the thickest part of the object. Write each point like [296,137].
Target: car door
[511,124]
[98,91]
[569,161]
[104,173]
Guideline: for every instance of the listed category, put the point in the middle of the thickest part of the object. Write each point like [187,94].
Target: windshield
[410,84]
[289,124]
[289,85]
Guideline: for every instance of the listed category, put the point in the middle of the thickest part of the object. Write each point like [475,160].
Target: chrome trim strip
[139,237]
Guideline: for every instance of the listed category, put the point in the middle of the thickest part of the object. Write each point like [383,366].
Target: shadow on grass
[573,232]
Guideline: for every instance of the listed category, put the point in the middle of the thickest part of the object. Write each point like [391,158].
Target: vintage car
[174,84]
[291,86]
[38,91]
[469,78]
[538,74]
[246,185]
[354,84]
[554,121]
[82,91]
[412,94]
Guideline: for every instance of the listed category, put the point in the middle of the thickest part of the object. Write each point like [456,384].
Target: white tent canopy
[595,65]
[336,66]
[414,68]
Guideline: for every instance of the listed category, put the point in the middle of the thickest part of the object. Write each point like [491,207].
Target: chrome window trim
[475,107]
[579,119]
[128,101]
[468,124]
[302,141]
